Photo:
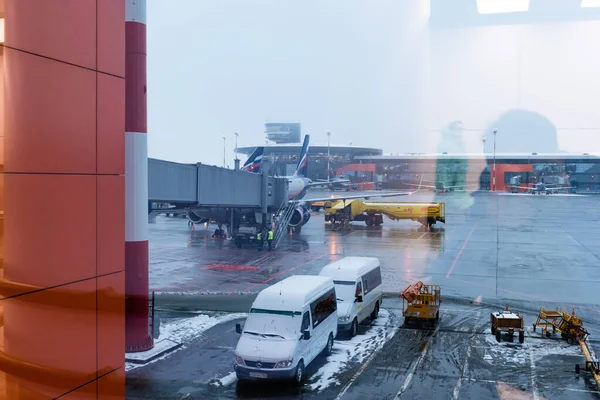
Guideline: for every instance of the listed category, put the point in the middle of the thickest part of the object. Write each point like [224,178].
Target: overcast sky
[217,67]
[370,72]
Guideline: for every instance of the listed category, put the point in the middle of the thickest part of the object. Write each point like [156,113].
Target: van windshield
[273,323]
[345,290]
[274,312]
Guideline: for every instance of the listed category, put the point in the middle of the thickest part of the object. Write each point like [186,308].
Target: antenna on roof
[280,285]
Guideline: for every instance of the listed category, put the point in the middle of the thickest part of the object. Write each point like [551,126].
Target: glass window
[305,322]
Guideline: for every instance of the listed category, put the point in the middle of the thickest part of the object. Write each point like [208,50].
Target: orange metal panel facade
[64,250]
[112,386]
[63,30]
[111,31]
[86,392]
[111,322]
[62,141]
[111,124]
[54,327]
[60,136]
[110,217]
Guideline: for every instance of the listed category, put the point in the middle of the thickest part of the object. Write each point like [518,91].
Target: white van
[358,288]
[289,325]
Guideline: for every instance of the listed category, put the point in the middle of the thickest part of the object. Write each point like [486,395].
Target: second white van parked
[358,288]
[289,325]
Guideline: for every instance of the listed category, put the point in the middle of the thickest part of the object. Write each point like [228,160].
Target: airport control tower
[283,132]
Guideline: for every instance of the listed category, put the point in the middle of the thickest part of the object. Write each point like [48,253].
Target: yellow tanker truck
[340,211]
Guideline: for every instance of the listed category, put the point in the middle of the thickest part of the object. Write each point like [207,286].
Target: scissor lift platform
[547,320]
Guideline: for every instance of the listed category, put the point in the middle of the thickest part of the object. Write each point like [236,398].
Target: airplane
[298,186]
[252,164]
[338,182]
[536,188]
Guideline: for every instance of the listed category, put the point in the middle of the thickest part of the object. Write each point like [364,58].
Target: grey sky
[216,67]
[368,71]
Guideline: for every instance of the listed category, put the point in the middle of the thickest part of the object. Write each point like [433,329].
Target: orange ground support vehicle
[507,322]
[421,303]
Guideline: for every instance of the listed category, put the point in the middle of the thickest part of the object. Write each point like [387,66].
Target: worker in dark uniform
[270,239]
[259,241]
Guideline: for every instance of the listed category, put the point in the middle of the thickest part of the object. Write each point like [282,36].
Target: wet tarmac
[458,359]
[513,247]
[527,251]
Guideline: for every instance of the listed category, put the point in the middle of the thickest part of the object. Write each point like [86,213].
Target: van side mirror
[238,328]
[359,299]
[306,335]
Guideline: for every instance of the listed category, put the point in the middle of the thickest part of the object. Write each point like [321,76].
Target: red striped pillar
[137,334]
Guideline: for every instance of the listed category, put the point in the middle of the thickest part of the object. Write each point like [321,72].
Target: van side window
[323,307]
[372,279]
[358,289]
[305,322]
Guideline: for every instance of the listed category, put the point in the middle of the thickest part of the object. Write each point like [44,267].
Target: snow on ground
[226,380]
[356,349]
[203,293]
[515,353]
[184,330]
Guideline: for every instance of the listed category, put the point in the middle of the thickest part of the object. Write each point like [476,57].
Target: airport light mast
[224,139]
[328,138]
[236,148]
[494,167]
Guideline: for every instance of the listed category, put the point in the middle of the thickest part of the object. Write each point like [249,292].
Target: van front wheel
[354,328]
[329,346]
[375,312]
[299,376]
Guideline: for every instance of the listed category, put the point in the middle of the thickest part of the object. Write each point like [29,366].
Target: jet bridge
[200,185]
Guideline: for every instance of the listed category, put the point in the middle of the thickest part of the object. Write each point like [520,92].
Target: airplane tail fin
[301,168]
[252,164]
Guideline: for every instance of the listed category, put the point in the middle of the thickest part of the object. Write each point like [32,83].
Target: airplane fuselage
[297,187]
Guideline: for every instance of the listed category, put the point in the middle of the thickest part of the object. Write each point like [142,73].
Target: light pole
[484,139]
[494,169]
[224,151]
[236,138]
[328,137]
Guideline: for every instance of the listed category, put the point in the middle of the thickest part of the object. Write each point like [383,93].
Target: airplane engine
[195,218]
[300,217]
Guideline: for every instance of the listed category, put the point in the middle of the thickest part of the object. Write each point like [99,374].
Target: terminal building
[284,145]
[580,171]
[403,171]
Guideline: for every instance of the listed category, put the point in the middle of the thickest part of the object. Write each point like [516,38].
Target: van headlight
[239,360]
[343,319]
[284,364]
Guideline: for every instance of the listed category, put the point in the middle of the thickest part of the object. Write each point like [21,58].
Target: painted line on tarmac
[516,384]
[358,373]
[285,272]
[411,374]
[596,310]
[460,252]
[466,363]
[536,394]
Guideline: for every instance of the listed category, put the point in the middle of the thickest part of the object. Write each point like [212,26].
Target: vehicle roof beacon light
[502,6]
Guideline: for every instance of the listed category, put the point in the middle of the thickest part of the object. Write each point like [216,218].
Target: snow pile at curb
[356,350]
[204,293]
[184,330]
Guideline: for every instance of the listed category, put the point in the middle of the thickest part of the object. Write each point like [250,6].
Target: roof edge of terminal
[481,155]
